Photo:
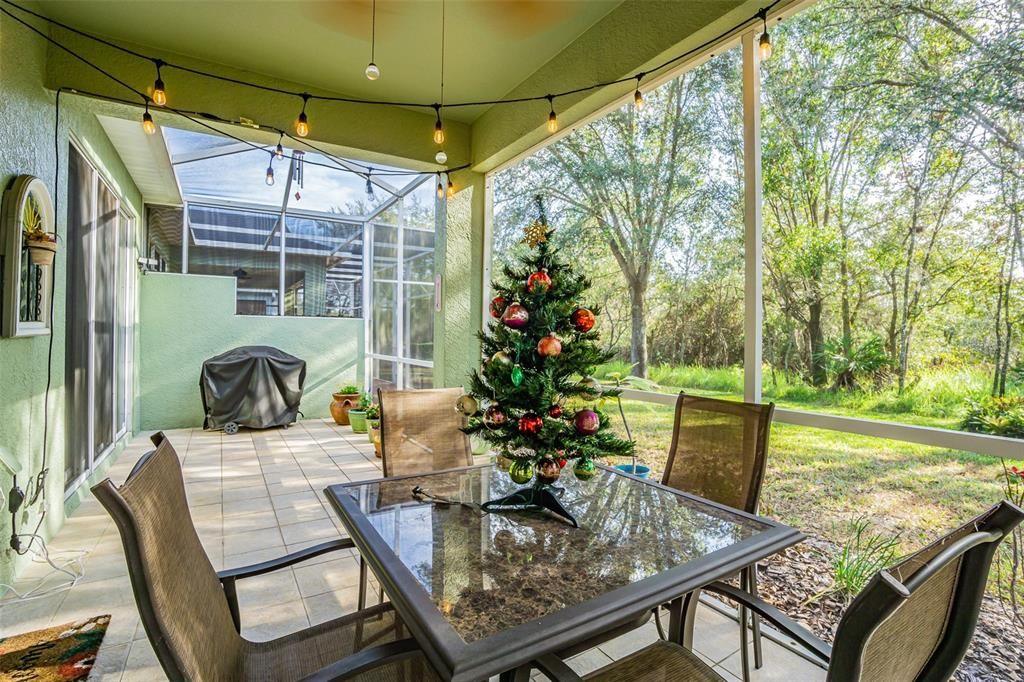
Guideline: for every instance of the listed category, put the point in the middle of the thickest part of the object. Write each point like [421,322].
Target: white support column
[752,233]
[184,238]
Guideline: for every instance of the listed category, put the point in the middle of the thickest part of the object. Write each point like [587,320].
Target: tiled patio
[256,495]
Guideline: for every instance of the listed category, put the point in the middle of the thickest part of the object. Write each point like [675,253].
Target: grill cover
[254,386]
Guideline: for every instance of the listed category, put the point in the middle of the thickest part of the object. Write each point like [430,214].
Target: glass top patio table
[485,593]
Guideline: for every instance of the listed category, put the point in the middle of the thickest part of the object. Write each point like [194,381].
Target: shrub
[863,554]
[847,363]
[348,389]
[998,416]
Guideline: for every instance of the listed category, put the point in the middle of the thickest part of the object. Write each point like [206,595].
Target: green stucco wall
[27,144]
[185,319]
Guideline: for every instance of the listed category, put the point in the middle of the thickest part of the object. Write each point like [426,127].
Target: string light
[638,97]
[279,151]
[552,116]
[372,71]
[440,187]
[302,125]
[147,122]
[369,186]
[765,43]
[451,189]
[159,95]
[441,157]
[438,127]
[270,171]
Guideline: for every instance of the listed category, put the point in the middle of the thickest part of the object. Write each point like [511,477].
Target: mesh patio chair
[719,451]
[419,434]
[191,613]
[420,431]
[913,622]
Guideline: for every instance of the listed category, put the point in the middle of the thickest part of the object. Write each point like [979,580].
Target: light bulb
[638,100]
[279,152]
[451,189]
[302,125]
[440,190]
[441,157]
[372,71]
[270,175]
[765,46]
[147,123]
[369,190]
[159,96]
[438,132]
[552,122]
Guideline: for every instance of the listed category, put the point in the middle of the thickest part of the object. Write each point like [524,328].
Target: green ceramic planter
[358,420]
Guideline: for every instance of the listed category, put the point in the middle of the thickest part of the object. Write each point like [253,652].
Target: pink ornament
[515,316]
[549,346]
[587,422]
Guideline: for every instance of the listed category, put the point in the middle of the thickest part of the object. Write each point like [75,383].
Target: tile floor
[256,495]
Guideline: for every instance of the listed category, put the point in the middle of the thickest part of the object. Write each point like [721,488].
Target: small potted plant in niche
[345,399]
[357,414]
[373,426]
[41,245]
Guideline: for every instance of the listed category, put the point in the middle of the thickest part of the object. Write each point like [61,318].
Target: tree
[538,354]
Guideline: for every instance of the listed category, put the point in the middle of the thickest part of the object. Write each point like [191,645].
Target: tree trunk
[816,341]
[638,340]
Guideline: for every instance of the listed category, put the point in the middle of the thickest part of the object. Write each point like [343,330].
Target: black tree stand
[534,498]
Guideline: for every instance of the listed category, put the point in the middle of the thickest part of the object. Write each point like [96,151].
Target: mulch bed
[789,579]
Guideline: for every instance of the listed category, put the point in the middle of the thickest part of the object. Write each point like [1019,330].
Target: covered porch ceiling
[494,49]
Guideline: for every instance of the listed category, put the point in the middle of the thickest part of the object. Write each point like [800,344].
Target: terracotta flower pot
[375,437]
[340,406]
[41,252]
[371,424]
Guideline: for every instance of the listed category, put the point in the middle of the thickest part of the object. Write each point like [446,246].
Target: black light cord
[759,15]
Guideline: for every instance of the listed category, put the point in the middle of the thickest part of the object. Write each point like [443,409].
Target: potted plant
[345,399]
[373,423]
[41,245]
[357,414]
[372,420]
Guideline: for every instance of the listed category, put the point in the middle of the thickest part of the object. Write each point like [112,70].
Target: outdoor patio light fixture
[438,127]
[440,187]
[765,43]
[279,152]
[159,95]
[451,188]
[147,122]
[372,70]
[302,125]
[552,116]
[270,171]
[441,157]
[369,186]
[638,97]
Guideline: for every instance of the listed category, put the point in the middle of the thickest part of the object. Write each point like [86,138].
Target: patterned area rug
[59,654]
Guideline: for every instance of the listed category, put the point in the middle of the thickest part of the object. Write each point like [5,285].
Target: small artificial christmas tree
[538,354]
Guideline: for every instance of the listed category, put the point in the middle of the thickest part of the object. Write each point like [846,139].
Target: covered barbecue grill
[254,386]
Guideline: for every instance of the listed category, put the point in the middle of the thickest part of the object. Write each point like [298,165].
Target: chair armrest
[555,668]
[284,561]
[229,576]
[780,620]
[365,660]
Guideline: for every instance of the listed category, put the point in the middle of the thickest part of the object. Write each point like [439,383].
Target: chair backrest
[719,448]
[915,620]
[420,431]
[180,598]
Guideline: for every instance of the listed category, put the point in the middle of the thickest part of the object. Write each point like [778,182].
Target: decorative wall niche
[28,247]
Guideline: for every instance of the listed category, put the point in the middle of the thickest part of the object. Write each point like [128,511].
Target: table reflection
[492,572]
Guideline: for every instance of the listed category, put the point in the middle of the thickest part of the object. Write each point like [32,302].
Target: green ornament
[585,469]
[517,375]
[521,471]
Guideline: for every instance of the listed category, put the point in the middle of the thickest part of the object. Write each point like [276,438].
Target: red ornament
[555,412]
[587,422]
[562,462]
[530,424]
[538,282]
[583,320]
[549,346]
[515,316]
[498,304]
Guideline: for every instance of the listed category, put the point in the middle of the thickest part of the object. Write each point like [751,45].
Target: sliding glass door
[99,305]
